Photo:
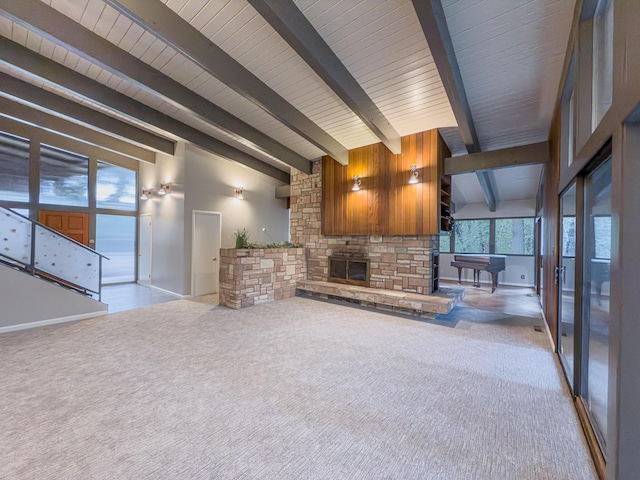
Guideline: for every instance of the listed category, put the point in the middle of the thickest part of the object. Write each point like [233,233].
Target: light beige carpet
[296,389]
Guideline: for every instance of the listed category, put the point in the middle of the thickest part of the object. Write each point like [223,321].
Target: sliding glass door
[583,277]
[565,277]
[595,298]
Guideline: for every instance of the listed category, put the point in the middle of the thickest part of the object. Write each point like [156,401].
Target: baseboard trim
[52,321]
[546,328]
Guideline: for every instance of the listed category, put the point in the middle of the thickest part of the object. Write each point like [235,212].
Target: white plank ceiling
[510,55]
[513,183]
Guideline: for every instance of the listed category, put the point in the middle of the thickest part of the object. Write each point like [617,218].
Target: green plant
[242,238]
[242,241]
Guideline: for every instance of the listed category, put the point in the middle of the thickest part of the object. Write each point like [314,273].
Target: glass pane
[64,177]
[472,236]
[566,282]
[116,238]
[445,243]
[514,236]
[569,234]
[14,168]
[22,211]
[603,60]
[66,260]
[596,291]
[15,237]
[116,187]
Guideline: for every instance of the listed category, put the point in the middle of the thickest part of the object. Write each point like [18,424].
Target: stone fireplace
[400,263]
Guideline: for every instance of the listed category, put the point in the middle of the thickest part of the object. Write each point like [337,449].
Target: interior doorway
[205,252]
[144,250]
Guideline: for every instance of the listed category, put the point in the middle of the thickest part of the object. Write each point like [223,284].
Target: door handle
[214,259]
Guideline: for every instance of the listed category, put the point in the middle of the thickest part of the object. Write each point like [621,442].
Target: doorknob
[214,259]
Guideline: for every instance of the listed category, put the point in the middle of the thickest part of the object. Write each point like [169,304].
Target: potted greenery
[242,238]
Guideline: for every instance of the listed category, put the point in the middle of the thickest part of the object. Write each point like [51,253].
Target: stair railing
[41,251]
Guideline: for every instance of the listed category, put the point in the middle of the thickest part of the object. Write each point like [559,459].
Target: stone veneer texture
[397,262]
[252,276]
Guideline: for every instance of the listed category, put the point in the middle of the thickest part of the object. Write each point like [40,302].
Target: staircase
[37,250]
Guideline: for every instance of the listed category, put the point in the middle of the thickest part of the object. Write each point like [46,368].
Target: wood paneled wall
[385,204]
[551,228]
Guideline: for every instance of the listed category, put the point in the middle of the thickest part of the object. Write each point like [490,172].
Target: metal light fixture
[239,193]
[164,188]
[356,183]
[413,179]
[146,193]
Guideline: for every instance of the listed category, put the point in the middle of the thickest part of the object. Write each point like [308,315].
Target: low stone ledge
[441,301]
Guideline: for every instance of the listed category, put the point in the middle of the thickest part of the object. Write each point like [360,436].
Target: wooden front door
[72,225]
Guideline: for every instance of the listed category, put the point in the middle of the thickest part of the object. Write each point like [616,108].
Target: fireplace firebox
[349,270]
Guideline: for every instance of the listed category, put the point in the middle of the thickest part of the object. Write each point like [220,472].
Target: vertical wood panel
[551,228]
[386,203]
[422,203]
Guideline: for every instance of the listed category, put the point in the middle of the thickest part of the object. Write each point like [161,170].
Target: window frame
[492,237]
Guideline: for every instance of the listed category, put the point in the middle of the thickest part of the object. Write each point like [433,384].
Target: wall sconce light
[164,188]
[239,193]
[356,183]
[413,179]
[146,193]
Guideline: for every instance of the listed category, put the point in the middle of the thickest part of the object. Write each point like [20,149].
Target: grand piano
[493,264]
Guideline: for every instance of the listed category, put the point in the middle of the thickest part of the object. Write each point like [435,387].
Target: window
[602,60]
[22,211]
[445,244]
[502,236]
[514,236]
[14,165]
[472,236]
[116,238]
[115,188]
[602,232]
[64,177]
[568,236]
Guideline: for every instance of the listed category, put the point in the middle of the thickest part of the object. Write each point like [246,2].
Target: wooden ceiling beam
[69,80]
[532,154]
[29,94]
[155,17]
[287,19]
[434,25]
[48,22]
[31,116]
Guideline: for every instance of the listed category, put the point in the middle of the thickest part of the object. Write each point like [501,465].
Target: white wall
[211,182]
[167,215]
[516,265]
[203,181]
[26,300]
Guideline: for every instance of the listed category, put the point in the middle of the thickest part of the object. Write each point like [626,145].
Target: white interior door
[207,235]
[144,250]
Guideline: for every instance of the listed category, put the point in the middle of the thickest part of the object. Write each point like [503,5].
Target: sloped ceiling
[510,56]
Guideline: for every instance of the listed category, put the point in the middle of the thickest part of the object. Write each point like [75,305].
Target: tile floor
[128,296]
